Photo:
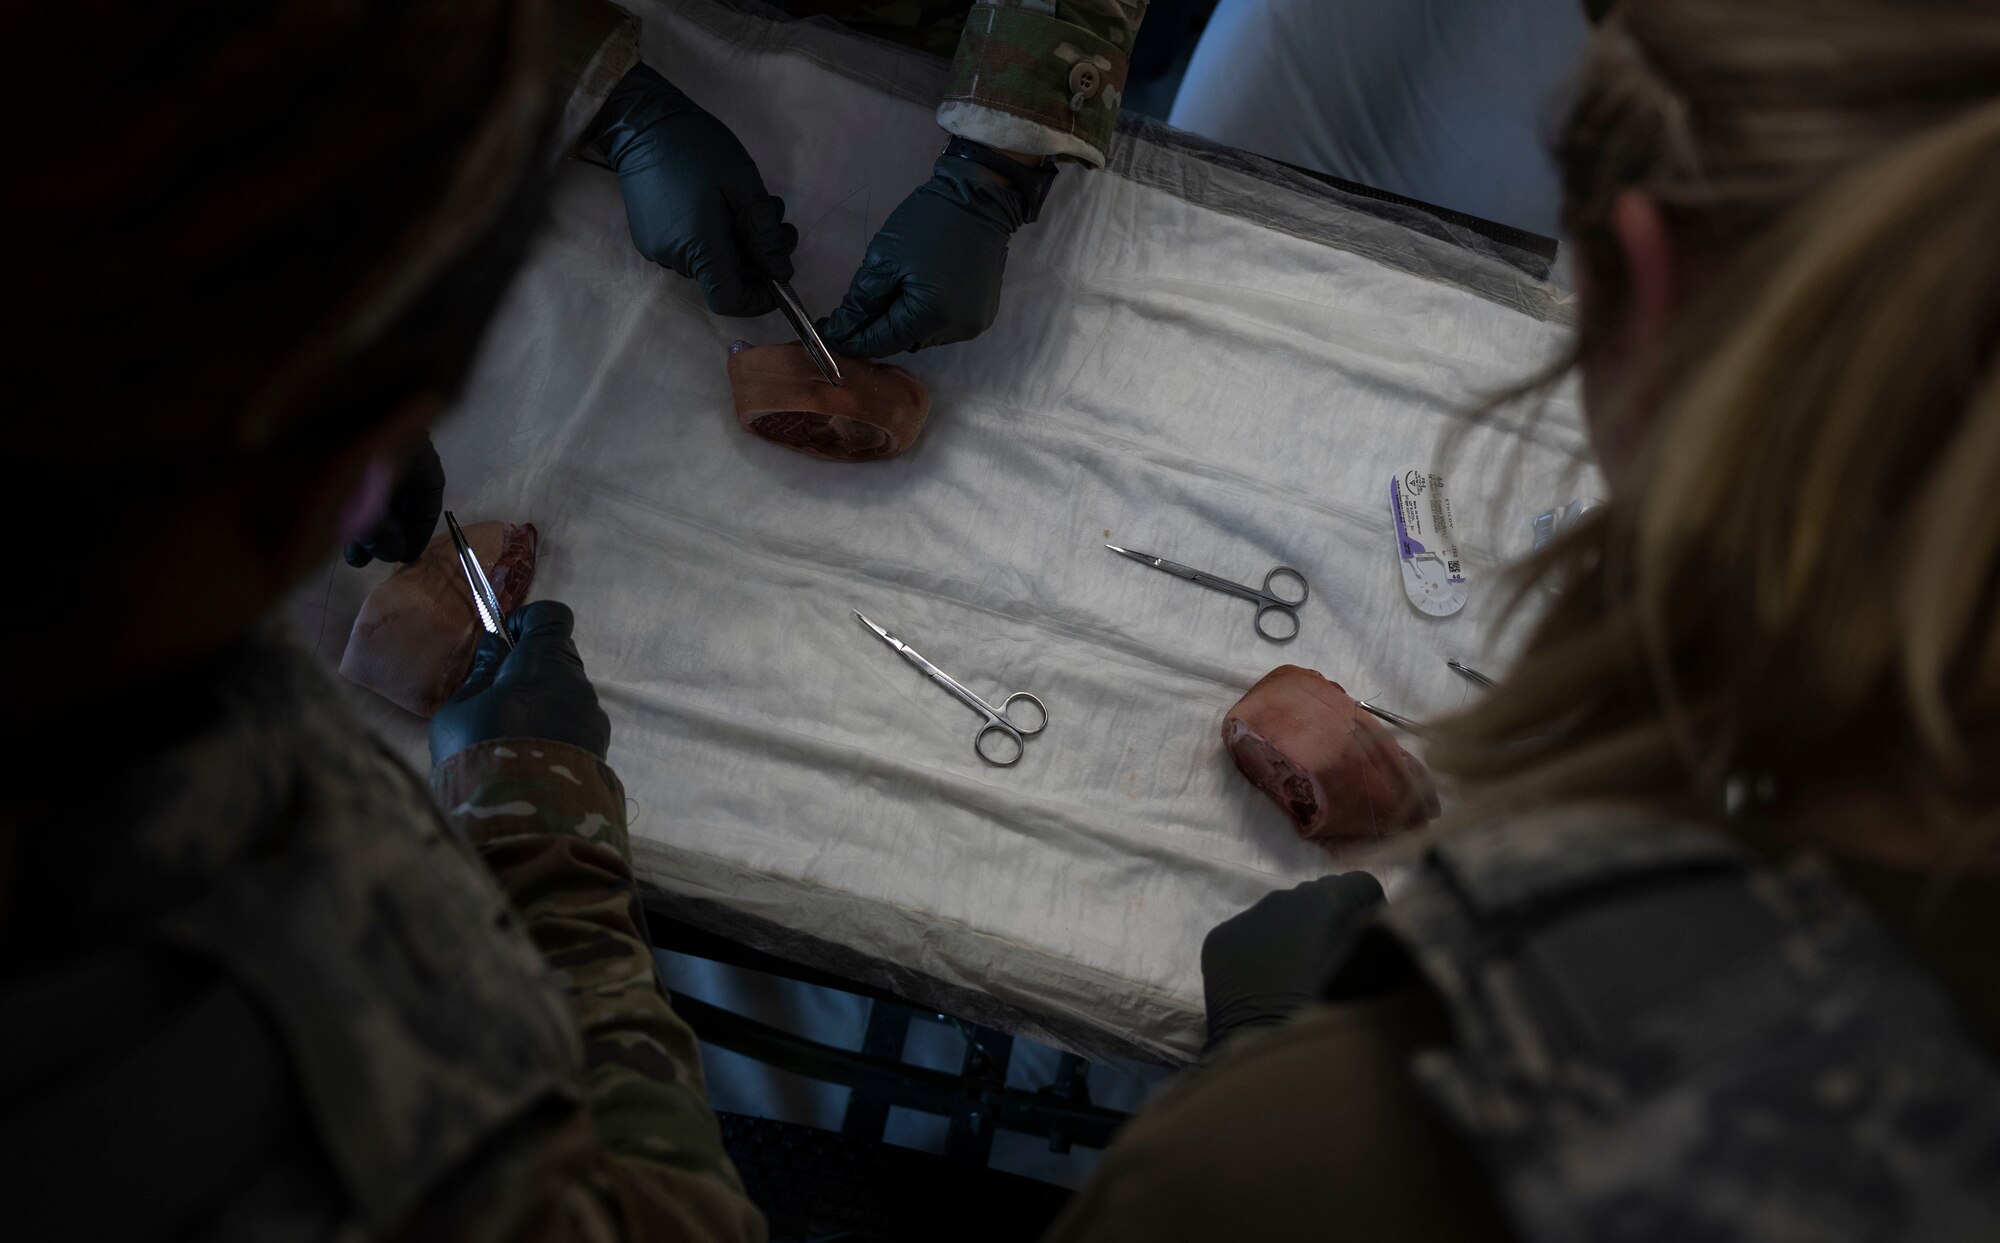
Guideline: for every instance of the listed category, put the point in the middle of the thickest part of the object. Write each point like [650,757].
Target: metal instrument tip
[1468,672]
[1394,718]
[802,326]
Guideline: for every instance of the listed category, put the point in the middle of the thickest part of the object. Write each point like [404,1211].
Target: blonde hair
[1798,580]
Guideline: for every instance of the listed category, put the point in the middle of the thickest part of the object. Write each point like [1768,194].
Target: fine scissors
[1268,601]
[484,598]
[795,315]
[998,721]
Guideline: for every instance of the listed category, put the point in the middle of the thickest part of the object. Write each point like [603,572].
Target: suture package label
[1427,542]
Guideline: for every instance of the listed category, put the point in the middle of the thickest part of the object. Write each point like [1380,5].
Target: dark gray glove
[693,197]
[538,690]
[412,515]
[932,274]
[1260,966]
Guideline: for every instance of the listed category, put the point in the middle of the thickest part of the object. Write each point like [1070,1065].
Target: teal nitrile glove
[536,689]
[1264,964]
[693,197]
[932,274]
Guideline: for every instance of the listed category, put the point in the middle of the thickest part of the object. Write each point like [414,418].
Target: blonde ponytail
[1798,583]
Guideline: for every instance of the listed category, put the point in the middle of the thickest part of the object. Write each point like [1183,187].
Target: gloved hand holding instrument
[693,197]
[534,689]
[1264,964]
[932,274]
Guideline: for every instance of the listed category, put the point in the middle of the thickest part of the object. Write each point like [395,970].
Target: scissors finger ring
[999,722]
[1276,596]
[1285,629]
[1007,727]
[1286,576]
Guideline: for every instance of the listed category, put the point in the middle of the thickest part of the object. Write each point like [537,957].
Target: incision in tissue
[875,412]
[1336,773]
[413,641]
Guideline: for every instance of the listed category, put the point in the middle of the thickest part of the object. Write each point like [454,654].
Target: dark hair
[262,222]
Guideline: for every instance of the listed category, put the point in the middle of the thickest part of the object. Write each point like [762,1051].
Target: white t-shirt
[1448,101]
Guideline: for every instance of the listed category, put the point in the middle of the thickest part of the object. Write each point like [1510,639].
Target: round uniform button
[1084,79]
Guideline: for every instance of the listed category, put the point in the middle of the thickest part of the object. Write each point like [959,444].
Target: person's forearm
[549,820]
[1043,78]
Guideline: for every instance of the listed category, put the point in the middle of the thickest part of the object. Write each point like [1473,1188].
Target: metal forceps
[999,722]
[1470,674]
[802,325]
[1268,601]
[484,598]
[1394,718]
[1458,667]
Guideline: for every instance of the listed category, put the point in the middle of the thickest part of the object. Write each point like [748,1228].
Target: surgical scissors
[1268,601]
[484,599]
[998,720]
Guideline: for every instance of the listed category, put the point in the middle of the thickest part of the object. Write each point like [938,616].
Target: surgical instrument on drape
[1268,601]
[1468,672]
[998,722]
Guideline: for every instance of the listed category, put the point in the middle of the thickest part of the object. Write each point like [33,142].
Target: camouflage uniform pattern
[1042,77]
[549,820]
[466,1066]
[1789,1077]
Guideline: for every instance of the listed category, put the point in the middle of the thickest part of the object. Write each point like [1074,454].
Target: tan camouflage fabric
[457,1016]
[1595,1023]
[645,1157]
[1658,1037]
[1043,77]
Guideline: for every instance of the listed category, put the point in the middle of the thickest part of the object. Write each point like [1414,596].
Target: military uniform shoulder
[1658,1036]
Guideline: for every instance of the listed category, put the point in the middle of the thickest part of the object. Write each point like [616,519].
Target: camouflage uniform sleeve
[595,44]
[549,820]
[1042,77]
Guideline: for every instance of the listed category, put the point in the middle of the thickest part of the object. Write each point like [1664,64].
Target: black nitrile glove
[412,515]
[693,197]
[538,690]
[932,274]
[1260,966]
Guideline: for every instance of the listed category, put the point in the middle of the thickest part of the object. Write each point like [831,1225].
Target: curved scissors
[998,721]
[1269,601]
